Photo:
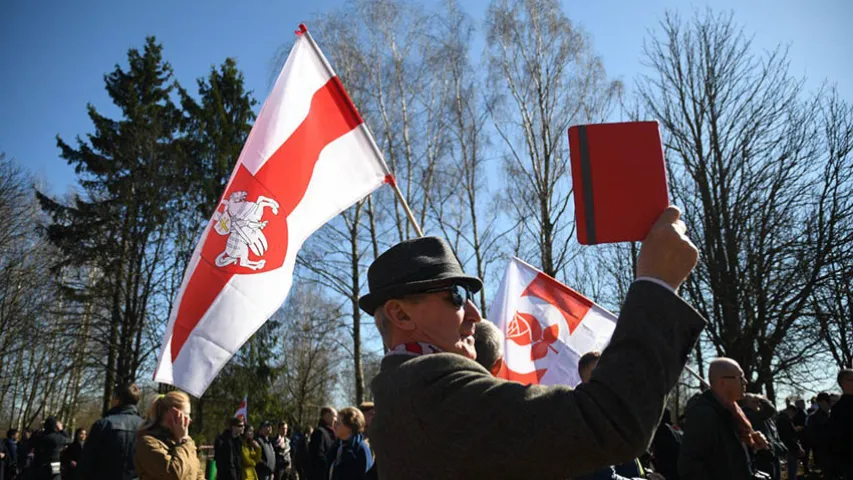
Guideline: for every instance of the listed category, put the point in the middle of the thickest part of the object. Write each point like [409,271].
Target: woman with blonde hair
[164,448]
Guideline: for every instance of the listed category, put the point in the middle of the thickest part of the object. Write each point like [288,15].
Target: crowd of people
[725,432]
[125,446]
[337,449]
[439,414]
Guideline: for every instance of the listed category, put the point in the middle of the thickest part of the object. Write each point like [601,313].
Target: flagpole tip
[302,29]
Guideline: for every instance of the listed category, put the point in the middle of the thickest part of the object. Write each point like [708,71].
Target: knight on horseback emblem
[242,221]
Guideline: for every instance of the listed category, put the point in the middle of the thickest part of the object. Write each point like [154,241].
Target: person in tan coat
[164,449]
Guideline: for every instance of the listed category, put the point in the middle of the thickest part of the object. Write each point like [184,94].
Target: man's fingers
[670,215]
[680,227]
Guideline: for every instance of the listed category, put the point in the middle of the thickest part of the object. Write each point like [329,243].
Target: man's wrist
[657,281]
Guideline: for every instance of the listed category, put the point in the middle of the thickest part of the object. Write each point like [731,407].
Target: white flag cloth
[243,410]
[547,326]
[308,157]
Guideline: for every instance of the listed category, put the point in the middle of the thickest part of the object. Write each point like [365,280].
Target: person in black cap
[441,415]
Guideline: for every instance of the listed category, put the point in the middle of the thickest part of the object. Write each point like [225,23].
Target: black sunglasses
[459,294]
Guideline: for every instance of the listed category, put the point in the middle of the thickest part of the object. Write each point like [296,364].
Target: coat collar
[123,410]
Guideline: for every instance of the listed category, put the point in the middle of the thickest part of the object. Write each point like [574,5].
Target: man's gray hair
[489,343]
[383,324]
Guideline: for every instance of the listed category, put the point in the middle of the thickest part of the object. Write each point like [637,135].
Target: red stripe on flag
[284,178]
[571,304]
[330,117]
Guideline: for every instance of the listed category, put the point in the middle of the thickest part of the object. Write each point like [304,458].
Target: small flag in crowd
[308,157]
[243,410]
[547,325]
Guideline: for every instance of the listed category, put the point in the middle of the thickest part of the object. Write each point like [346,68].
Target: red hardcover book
[619,180]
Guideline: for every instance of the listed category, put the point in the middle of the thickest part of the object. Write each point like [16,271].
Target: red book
[619,180]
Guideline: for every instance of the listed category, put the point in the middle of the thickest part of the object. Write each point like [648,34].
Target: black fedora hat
[413,266]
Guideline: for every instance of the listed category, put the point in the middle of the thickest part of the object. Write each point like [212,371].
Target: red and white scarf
[414,349]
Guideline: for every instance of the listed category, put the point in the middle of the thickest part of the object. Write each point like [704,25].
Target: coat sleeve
[556,431]
[697,445]
[162,462]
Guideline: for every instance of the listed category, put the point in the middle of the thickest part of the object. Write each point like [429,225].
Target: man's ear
[397,314]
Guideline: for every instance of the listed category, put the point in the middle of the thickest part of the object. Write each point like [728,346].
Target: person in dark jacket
[818,434]
[4,458]
[266,468]
[840,427]
[785,426]
[665,447]
[10,465]
[228,451]
[281,444]
[25,451]
[761,413]
[718,439]
[350,458]
[46,465]
[368,409]
[627,471]
[439,414]
[70,457]
[300,448]
[799,420]
[322,441]
[109,449]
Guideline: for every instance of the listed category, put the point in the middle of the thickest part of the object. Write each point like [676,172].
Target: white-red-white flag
[308,157]
[547,325]
[243,409]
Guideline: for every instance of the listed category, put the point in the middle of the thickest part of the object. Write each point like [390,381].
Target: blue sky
[53,54]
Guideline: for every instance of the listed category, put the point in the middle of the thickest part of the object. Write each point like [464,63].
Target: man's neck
[721,398]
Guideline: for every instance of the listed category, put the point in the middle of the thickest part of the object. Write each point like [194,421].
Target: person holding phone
[163,446]
[251,451]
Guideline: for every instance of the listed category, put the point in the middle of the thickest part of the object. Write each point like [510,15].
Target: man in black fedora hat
[441,415]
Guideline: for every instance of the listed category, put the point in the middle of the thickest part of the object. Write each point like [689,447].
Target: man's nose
[472,313]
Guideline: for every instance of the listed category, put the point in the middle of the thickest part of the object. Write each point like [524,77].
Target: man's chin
[465,349]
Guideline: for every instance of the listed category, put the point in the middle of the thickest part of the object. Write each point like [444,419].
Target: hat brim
[373,300]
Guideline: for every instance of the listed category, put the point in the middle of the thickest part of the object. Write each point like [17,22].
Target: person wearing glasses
[164,448]
[440,415]
[718,438]
[228,449]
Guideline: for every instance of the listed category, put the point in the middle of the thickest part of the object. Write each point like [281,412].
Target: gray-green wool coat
[443,416]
